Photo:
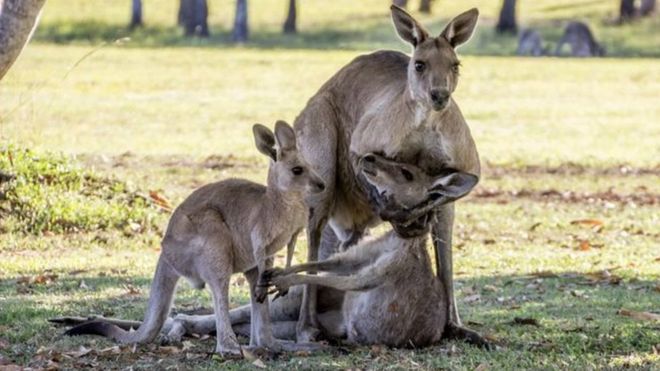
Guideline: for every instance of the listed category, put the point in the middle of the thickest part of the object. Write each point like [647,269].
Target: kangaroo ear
[284,136]
[460,29]
[264,140]
[453,186]
[407,27]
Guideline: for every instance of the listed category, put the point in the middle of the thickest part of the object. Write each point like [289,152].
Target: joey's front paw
[281,284]
[267,276]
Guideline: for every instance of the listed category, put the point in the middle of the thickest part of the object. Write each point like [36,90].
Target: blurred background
[117,110]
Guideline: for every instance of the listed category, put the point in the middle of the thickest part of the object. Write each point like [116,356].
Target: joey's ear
[407,27]
[453,186]
[284,136]
[264,140]
[460,29]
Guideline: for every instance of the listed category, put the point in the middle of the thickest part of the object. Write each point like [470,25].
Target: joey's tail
[160,301]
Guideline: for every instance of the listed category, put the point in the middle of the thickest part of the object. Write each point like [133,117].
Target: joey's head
[434,66]
[288,171]
[408,186]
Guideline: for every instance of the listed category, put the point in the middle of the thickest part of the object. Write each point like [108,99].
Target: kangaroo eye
[407,174]
[297,170]
[455,67]
[419,66]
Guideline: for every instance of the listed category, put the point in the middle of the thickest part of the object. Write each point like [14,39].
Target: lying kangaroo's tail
[160,301]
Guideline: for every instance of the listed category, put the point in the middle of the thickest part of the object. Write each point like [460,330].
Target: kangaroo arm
[343,283]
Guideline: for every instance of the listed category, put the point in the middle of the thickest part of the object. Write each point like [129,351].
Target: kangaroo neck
[281,201]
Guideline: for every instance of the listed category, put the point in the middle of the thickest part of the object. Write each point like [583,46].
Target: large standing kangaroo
[400,107]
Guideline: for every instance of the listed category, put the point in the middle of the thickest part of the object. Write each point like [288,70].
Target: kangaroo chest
[405,138]
[403,309]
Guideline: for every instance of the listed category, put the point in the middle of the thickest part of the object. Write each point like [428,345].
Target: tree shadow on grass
[571,315]
[374,32]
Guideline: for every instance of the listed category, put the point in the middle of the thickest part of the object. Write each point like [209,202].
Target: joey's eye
[407,174]
[455,67]
[419,66]
[297,170]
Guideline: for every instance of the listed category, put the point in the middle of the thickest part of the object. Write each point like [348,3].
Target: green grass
[561,140]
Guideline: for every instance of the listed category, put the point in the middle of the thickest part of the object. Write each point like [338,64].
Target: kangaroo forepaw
[458,332]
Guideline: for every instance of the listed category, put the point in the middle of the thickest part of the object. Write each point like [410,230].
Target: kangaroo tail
[160,301]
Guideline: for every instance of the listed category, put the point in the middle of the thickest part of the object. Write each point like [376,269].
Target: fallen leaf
[584,245]
[579,294]
[259,363]
[545,274]
[376,350]
[77,272]
[187,345]
[11,367]
[44,279]
[526,321]
[534,226]
[248,355]
[112,350]
[472,298]
[482,367]
[131,290]
[160,201]
[587,222]
[82,351]
[169,350]
[491,288]
[644,316]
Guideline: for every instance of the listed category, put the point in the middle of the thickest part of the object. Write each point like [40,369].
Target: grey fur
[582,41]
[223,228]
[379,103]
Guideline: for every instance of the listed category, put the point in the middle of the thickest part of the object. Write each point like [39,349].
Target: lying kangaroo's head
[433,68]
[409,186]
[288,171]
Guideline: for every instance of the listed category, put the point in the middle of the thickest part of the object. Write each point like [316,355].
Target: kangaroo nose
[439,96]
[319,185]
[370,158]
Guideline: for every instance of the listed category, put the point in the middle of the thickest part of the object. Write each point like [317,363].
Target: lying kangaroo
[582,41]
[531,43]
[226,227]
[401,107]
[392,296]
[382,291]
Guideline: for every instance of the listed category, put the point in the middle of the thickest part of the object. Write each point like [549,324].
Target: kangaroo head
[434,66]
[288,171]
[407,185]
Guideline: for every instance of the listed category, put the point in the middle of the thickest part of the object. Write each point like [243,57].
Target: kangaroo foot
[229,348]
[455,331]
[307,334]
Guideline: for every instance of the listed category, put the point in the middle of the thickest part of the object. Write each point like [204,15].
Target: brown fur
[223,228]
[380,103]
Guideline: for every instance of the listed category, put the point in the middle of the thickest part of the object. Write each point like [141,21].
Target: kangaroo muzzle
[439,98]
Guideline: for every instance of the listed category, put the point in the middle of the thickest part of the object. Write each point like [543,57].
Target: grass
[562,140]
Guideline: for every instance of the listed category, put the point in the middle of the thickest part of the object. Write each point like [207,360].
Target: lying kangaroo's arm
[368,277]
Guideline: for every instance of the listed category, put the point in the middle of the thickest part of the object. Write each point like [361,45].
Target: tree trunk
[18,19]
[136,14]
[241,30]
[290,23]
[193,16]
[647,8]
[507,21]
[425,6]
[627,10]
[400,3]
